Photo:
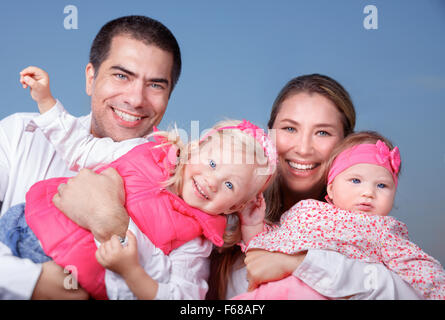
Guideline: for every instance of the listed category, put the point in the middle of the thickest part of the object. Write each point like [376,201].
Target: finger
[131,238]
[60,188]
[29,81]
[112,173]
[100,256]
[33,71]
[56,200]
[115,243]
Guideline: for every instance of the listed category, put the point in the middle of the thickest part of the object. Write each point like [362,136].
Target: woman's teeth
[125,116]
[300,166]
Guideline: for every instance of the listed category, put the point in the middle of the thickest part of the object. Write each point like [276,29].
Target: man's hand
[50,285]
[38,82]
[95,202]
[264,266]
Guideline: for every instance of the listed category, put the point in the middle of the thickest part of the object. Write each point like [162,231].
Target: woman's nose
[303,144]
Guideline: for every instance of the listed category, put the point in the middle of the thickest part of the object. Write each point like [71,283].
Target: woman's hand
[95,202]
[264,266]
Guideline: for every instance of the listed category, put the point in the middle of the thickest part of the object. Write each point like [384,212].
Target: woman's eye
[229,185]
[355,180]
[212,163]
[289,129]
[323,133]
[381,185]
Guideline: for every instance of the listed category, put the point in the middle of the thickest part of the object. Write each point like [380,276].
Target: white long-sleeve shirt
[321,267]
[26,157]
[336,276]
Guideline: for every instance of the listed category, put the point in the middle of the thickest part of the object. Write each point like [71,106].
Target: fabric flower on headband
[383,155]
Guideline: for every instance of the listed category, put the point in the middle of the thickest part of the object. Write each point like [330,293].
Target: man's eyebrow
[131,73]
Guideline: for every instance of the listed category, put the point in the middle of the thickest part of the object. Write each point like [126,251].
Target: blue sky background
[237,55]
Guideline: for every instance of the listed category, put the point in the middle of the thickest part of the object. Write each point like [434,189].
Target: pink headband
[260,136]
[378,154]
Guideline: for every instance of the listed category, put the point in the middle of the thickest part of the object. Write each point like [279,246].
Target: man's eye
[212,163]
[229,185]
[381,185]
[120,76]
[156,86]
[355,180]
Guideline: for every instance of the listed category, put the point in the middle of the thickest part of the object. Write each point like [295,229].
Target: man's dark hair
[142,28]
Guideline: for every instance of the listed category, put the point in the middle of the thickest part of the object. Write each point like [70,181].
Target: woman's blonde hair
[239,140]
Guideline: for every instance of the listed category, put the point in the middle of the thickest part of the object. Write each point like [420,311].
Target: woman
[309,117]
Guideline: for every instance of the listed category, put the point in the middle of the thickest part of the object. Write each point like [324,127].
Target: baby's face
[366,188]
[217,185]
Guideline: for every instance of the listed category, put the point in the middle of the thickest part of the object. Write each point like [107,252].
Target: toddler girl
[361,186]
[174,193]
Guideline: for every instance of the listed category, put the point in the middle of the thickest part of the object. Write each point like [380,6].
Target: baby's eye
[381,185]
[229,185]
[355,180]
[212,163]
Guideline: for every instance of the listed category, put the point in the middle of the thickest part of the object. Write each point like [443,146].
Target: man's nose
[135,95]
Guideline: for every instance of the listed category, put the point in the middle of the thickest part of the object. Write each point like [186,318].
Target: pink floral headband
[378,154]
[260,136]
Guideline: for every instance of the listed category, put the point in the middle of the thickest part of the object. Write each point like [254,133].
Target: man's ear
[89,78]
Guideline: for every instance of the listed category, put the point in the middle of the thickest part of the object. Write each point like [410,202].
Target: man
[134,65]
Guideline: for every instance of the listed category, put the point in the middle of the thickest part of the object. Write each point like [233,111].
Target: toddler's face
[215,184]
[366,188]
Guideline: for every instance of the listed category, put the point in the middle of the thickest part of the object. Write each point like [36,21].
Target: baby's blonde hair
[240,141]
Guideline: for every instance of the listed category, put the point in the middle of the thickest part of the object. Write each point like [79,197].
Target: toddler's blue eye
[355,180]
[229,185]
[381,185]
[212,163]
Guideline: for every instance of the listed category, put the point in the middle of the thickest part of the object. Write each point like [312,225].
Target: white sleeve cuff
[47,118]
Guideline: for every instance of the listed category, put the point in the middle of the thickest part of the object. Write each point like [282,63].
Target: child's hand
[253,213]
[38,82]
[117,258]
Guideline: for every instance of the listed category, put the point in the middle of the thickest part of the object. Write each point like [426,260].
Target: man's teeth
[125,116]
[301,166]
[200,190]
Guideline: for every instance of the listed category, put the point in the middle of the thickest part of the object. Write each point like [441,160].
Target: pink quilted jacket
[161,215]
